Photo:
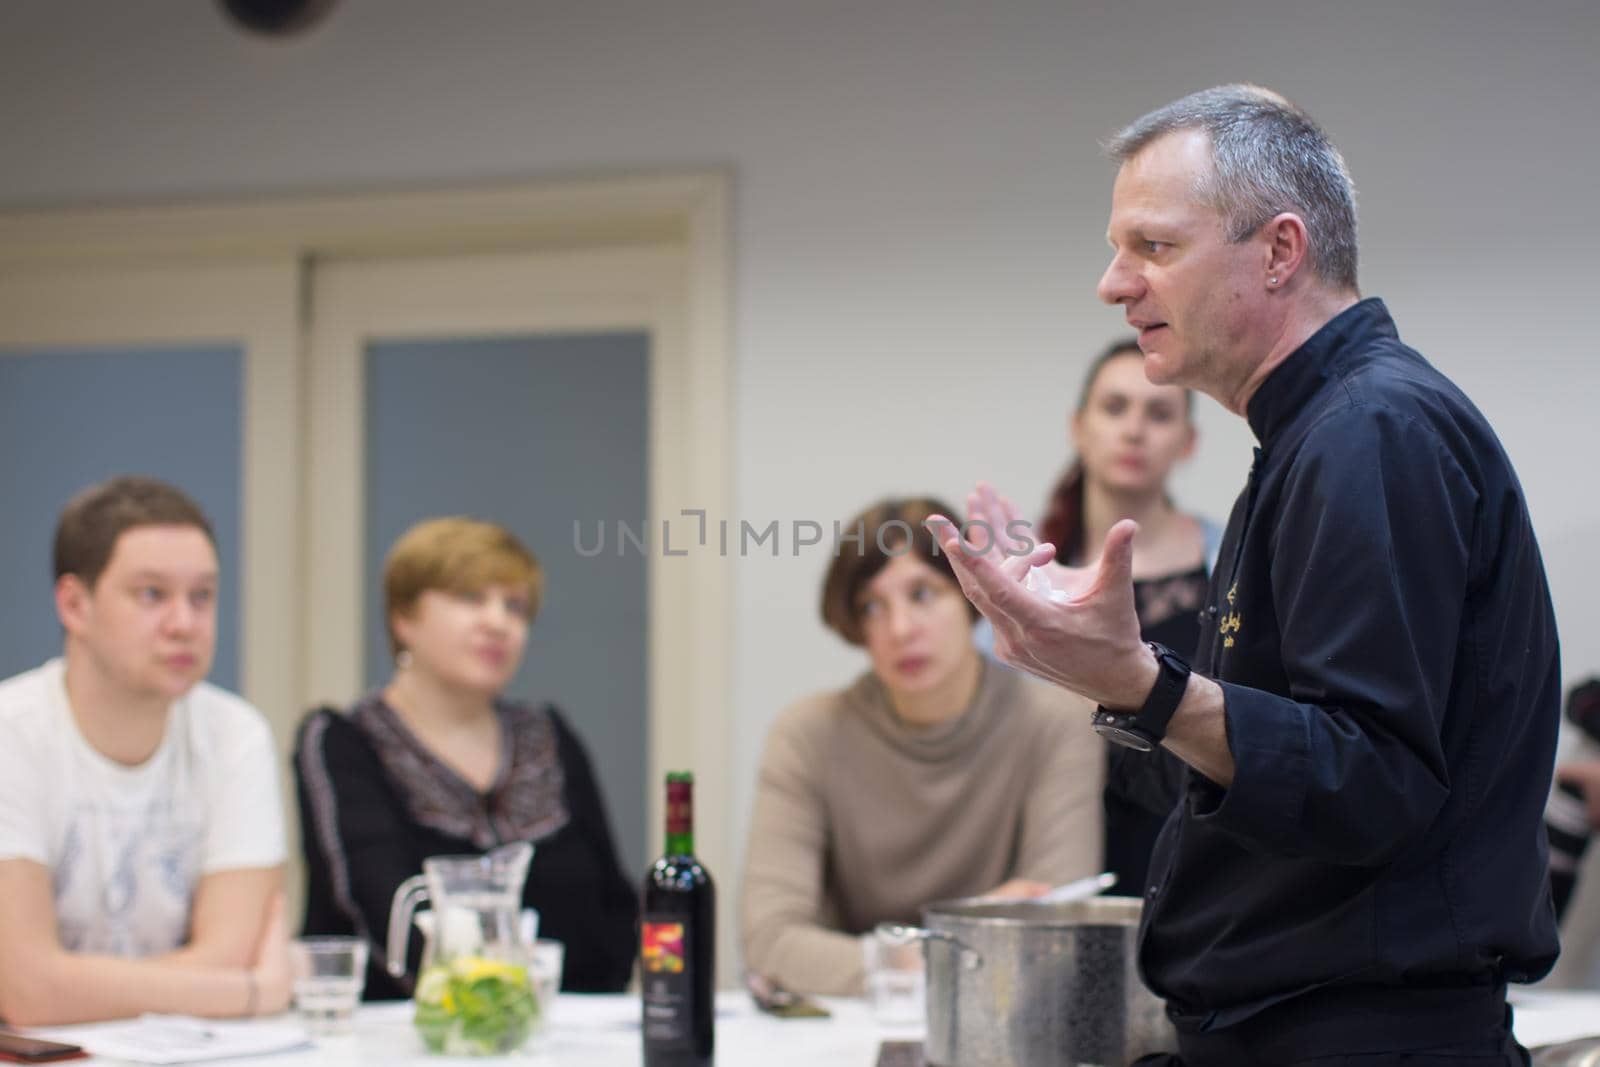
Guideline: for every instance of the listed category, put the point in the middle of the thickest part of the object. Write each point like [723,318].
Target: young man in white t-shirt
[141,841]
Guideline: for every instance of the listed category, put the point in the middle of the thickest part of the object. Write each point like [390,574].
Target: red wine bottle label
[667,972]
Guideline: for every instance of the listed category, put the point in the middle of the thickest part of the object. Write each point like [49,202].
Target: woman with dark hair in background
[1128,435]
[935,774]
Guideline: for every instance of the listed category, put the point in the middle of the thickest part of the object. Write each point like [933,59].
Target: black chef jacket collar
[1297,379]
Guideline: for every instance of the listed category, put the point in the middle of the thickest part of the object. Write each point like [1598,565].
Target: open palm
[1074,626]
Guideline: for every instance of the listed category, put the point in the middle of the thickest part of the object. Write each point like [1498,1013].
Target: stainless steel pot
[1584,1052]
[1024,984]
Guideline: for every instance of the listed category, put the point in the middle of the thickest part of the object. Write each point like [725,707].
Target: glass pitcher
[474,994]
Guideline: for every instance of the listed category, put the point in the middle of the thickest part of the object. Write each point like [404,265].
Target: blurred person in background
[141,841]
[1572,814]
[935,774]
[1129,434]
[437,762]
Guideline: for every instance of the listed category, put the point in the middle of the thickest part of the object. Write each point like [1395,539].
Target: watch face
[1123,736]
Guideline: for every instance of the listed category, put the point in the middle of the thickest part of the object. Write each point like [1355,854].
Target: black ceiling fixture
[276,18]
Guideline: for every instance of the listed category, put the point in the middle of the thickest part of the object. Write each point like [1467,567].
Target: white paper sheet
[167,1039]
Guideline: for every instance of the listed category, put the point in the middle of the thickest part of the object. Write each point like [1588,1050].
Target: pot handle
[902,934]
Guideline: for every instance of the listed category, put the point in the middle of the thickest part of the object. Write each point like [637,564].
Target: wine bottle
[678,943]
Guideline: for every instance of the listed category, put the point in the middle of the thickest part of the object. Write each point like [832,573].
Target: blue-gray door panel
[70,418]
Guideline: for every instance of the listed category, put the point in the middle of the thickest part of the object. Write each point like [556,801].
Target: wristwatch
[1144,729]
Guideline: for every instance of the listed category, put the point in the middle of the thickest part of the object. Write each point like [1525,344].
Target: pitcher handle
[411,892]
[903,934]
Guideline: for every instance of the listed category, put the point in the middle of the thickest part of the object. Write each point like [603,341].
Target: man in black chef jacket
[1358,866]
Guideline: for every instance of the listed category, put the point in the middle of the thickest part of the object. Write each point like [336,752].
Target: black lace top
[375,802]
[526,802]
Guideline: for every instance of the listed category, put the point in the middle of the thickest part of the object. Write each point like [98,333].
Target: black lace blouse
[375,802]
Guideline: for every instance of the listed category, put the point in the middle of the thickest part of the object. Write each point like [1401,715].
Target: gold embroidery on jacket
[1230,622]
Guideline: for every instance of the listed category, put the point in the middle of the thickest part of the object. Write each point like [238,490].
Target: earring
[1272,280]
[402,659]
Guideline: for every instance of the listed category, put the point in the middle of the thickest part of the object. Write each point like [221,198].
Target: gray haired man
[1357,866]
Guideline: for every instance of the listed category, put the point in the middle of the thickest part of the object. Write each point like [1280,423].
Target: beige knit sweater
[859,818]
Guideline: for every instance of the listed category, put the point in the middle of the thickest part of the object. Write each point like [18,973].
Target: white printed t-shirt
[127,846]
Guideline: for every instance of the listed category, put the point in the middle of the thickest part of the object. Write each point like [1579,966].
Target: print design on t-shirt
[154,866]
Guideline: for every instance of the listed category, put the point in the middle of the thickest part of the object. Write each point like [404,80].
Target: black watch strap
[1149,723]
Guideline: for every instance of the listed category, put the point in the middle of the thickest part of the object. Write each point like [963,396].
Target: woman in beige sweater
[935,774]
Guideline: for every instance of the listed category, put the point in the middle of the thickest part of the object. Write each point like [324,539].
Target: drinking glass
[895,981]
[547,960]
[329,974]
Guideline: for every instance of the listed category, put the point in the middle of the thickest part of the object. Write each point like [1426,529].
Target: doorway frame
[359,303]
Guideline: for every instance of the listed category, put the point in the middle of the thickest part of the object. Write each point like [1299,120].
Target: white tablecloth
[597,1031]
[603,1031]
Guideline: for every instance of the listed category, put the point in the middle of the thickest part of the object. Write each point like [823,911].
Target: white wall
[919,209]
